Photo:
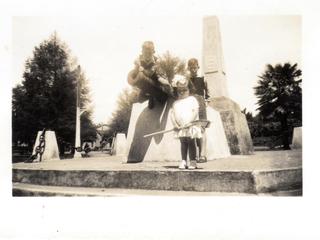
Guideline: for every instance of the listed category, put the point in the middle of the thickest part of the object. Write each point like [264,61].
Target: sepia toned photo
[206,105]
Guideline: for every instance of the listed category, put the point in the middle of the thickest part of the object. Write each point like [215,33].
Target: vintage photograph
[114,106]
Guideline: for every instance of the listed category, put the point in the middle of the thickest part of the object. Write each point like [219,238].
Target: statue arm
[131,77]
[133,73]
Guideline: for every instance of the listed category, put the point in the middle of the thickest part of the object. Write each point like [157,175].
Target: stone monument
[297,138]
[165,147]
[120,145]
[51,151]
[234,122]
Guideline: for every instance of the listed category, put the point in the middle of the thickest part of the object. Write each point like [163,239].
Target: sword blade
[157,133]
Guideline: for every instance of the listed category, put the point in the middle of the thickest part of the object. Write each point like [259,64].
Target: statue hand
[163,81]
[141,69]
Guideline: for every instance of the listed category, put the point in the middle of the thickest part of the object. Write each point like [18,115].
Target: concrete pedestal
[266,172]
[235,125]
[120,145]
[51,151]
[297,138]
[234,122]
[165,147]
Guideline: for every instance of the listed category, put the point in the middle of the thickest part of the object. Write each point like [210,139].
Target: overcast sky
[106,47]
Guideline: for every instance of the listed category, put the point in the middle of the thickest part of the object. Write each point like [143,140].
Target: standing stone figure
[199,89]
[144,76]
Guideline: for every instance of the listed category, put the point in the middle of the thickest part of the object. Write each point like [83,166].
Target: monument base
[297,138]
[120,145]
[262,173]
[51,150]
[165,147]
[77,154]
[235,125]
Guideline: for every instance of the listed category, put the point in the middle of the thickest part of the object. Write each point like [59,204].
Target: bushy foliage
[279,92]
[168,66]
[279,101]
[120,119]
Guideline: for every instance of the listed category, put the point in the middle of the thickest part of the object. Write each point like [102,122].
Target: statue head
[148,50]
[193,66]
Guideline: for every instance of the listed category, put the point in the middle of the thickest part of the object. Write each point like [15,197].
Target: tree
[248,115]
[121,116]
[280,97]
[19,125]
[88,129]
[46,98]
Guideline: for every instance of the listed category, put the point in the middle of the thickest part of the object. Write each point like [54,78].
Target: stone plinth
[261,173]
[165,147]
[297,138]
[120,145]
[235,125]
[51,151]
[234,122]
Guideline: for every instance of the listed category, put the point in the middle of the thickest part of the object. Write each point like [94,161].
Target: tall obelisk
[213,62]
[234,121]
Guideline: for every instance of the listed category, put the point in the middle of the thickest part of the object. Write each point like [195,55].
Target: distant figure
[144,76]
[86,148]
[199,89]
[185,110]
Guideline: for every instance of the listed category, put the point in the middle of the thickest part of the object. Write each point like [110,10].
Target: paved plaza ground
[275,173]
[260,160]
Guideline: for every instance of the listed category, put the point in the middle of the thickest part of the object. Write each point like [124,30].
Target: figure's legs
[192,153]
[202,144]
[184,147]
[184,152]
[198,148]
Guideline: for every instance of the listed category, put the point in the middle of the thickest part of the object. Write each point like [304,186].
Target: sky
[106,47]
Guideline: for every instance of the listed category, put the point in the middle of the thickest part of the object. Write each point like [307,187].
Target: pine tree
[47,96]
[120,119]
